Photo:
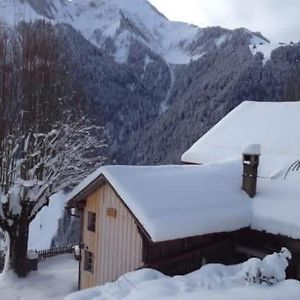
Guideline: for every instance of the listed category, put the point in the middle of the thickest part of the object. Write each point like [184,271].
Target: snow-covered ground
[44,227]
[211,282]
[56,278]
[151,288]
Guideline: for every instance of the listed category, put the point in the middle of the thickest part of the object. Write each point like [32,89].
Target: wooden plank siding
[116,243]
[181,256]
[89,238]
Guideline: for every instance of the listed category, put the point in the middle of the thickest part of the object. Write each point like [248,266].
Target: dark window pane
[91,221]
[88,261]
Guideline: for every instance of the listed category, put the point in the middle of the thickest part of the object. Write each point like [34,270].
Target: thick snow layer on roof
[252,149]
[273,125]
[276,206]
[180,201]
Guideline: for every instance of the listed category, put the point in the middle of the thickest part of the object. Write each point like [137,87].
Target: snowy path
[56,278]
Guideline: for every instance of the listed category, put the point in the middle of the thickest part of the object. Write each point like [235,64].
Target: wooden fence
[43,254]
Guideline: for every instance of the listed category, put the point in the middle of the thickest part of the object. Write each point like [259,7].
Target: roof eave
[84,193]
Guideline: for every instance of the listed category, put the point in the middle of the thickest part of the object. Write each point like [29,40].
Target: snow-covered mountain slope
[120,21]
[114,24]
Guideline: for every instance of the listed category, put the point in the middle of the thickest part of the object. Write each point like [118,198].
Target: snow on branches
[36,165]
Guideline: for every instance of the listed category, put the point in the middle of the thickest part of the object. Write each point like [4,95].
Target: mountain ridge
[102,22]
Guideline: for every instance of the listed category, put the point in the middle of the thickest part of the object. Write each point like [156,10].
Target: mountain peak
[99,20]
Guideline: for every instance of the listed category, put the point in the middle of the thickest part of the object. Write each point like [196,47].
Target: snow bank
[44,227]
[56,278]
[211,282]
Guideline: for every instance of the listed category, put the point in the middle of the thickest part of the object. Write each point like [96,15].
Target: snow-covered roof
[275,208]
[173,202]
[273,125]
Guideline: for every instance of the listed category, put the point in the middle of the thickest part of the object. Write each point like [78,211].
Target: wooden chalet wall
[181,256]
[116,242]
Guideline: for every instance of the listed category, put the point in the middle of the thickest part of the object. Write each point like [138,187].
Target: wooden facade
[116,244]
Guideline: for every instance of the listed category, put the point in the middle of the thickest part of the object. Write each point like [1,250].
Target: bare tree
[44,146]
[34,167]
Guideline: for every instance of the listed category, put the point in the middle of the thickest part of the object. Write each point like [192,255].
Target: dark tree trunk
[18,234]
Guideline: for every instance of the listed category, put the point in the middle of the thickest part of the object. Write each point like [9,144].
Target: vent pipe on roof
[250,162]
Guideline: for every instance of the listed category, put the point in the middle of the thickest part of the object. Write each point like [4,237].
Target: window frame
[88,261]
[91,221]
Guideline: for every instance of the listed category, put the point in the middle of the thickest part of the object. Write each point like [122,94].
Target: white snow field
[266,48]
[56,278]
[44,227]
[211,282]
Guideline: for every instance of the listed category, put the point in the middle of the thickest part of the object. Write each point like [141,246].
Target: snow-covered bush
[267,271]
[270,270]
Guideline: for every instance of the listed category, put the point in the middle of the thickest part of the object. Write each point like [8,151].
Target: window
[88,261]
[91,221]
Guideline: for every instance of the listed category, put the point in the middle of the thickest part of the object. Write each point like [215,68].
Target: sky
[278,20]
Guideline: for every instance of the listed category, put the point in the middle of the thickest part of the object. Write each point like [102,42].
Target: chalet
[228,203]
